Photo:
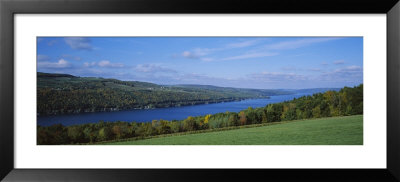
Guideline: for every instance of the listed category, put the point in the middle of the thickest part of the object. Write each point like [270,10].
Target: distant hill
[64,93]
[315,90]
[258,92]
[269,92]
[39,74]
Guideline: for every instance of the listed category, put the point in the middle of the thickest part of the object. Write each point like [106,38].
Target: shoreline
[144,108]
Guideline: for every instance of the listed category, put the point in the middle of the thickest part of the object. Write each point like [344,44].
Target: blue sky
[243,62]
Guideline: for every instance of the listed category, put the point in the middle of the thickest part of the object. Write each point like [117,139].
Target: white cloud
[276,77]
[200,52]
[293,44]
[346,74]
[87,64]
[153,68]
[188,54]
[358,68]
[205,51]
[349,69]
[242,44]
[78,43]
[60,64]
[249,55]
[104,64]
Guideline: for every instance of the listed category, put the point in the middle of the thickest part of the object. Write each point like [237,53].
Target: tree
[164,127]
[104,134]
[289,112]
[242,118]
[274,112]
[189,124]
[264,115]
[89,135]
[75,134]
[233,119]
[316,112]
[207,118]
[116,130]
[176,126]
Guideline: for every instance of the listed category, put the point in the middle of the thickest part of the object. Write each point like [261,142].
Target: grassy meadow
[345,130]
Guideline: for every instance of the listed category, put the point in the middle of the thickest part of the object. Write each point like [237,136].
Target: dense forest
[63,93]
[347,101]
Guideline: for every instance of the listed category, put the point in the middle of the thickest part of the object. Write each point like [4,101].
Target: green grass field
[346,130]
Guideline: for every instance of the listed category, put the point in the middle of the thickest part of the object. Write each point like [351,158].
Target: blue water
[147,115]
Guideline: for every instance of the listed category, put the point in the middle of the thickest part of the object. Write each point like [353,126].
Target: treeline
[348,101]
[62,93]
[52,101]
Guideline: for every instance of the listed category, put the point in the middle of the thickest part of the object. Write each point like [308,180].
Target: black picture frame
[8,8]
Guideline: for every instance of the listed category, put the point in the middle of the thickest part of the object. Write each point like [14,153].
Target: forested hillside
[347,101]
[63,93]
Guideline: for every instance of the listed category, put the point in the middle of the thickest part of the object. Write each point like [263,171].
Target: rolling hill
[346,130]
[64,93]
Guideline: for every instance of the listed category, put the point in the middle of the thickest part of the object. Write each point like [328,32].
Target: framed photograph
[105,91]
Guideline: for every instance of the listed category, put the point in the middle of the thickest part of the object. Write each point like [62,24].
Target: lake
[171,113]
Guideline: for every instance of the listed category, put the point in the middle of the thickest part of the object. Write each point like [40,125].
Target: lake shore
[170,113]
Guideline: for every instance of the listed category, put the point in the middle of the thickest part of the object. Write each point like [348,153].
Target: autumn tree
[189,124]
[242,118]
[104,134]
